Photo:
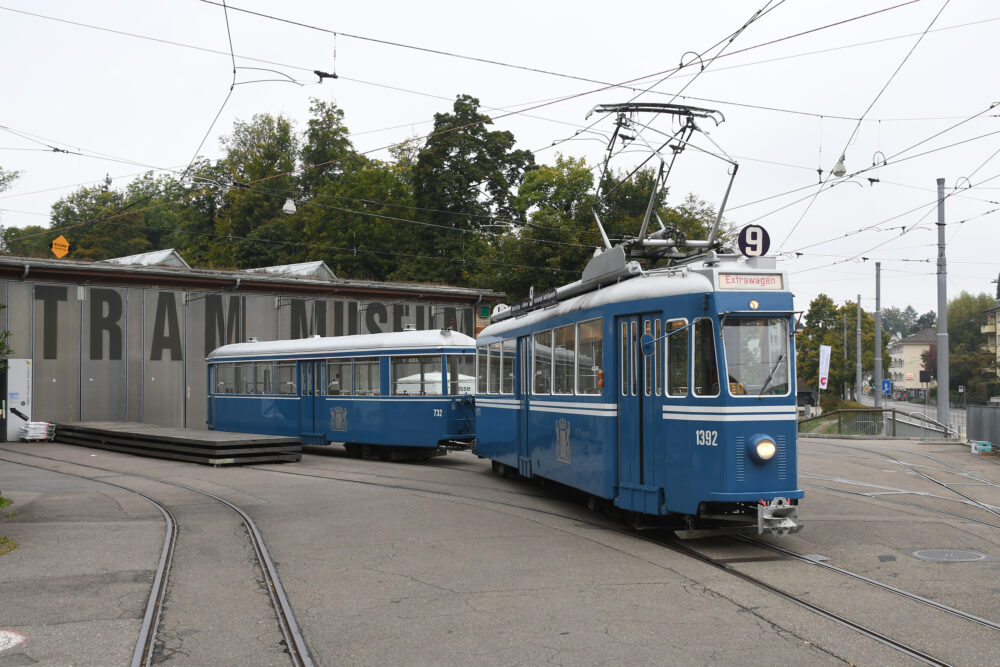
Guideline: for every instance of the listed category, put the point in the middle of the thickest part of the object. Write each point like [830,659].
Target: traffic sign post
[886,387]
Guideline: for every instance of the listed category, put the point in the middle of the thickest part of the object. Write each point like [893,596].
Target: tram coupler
[778,517]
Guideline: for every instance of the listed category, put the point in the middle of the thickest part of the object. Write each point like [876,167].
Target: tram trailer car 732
[397,395]
[669,392]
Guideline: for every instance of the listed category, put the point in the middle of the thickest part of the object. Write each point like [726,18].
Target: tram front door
[640,406]
[311,429]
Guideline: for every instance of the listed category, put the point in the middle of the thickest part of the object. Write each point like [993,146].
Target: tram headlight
[762,448]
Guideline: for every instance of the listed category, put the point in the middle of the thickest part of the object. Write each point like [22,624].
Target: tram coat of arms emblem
[563,450]
[338,419]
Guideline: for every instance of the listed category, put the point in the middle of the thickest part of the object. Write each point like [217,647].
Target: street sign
[60,247]
[886,387]
[961,388]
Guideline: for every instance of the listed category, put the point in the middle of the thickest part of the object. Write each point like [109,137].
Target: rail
[876,422]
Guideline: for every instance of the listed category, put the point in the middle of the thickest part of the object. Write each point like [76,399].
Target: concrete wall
[138,354]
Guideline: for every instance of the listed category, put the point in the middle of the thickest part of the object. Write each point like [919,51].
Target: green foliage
[825,325]
[463,206]
[465,178]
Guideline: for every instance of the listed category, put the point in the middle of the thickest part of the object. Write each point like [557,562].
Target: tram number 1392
[705,438]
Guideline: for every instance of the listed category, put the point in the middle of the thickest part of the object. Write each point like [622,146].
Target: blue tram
[663,380]
[398,395]
[669,393]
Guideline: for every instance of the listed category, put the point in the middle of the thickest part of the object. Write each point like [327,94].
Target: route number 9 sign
[754,241]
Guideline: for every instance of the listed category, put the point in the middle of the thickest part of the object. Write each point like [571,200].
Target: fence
[984,423]
[876,422]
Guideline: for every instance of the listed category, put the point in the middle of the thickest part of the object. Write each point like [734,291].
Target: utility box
[18,397]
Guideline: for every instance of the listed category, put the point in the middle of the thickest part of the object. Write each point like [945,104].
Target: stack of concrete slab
[181,444]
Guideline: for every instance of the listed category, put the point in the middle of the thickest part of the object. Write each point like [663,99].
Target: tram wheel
[353,449]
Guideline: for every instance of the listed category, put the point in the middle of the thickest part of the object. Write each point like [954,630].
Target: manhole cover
[949,555]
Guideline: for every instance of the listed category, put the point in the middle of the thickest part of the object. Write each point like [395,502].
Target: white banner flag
[824,365]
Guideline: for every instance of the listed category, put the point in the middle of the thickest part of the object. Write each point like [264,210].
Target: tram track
[674,545]
[144,654]
[469,493]
[912,468]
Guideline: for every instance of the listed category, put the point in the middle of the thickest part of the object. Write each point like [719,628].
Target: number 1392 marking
[706,438]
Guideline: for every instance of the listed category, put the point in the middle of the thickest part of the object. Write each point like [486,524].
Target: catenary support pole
[943,386]
[877,384]
[857,378]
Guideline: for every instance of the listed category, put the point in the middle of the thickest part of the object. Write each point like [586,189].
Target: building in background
[906,364]
[126,339]
[991,330]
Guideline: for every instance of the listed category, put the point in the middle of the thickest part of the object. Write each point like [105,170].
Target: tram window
[757,356]
[677,357]
[338,377]
[285,373]
[262,371]
[494,376]
[632,362]
[307,378]
[507,367]
[416,376]
[658,369]
[623,361]
[461,373]
[225,379]
[706,370]
[482,367]
[647,361]
[542,354]
[366,376]
[564,365]
[589,356]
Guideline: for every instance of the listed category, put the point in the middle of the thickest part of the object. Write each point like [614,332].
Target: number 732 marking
[705,438]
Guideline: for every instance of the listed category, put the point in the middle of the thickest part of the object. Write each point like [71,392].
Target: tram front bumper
[778,517]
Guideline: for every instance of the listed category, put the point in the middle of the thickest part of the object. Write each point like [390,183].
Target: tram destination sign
[539,300]
[750,281]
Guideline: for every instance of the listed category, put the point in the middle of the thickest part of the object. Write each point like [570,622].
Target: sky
[902,89]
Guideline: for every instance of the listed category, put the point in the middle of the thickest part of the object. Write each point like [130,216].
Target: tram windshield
[757,355]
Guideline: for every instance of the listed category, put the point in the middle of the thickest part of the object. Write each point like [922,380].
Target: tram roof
[431,339]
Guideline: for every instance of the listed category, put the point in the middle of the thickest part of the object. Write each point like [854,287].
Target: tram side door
[639,411]
[310,374]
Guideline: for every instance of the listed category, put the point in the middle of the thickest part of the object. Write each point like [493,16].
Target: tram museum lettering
[138,353]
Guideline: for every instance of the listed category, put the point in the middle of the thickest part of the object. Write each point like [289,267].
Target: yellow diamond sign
[60,247]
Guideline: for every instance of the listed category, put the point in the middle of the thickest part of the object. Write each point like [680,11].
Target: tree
[99,223]
[926,321]
[261,156]
[969,363]
[898,322]
[825,324]
[327,151]
[465,177]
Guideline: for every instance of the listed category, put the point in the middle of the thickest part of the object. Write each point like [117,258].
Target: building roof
[318,270]
[168,257]
[162,276]
[924,337]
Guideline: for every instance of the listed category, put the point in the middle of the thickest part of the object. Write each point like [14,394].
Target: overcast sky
[135,86]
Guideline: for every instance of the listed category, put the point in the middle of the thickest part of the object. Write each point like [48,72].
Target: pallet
[180,444]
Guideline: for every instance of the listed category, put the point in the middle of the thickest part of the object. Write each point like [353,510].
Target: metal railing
[875,422]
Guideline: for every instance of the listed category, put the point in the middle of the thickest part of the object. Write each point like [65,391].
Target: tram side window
[589,357]
[461,373]
[285,374]
[366,376]
[338,377]
[563,350]
[482,366]
[706,370]
[225,377]
[263,371]
[493,386]
[507,367]
[415,376]
[677,357]
[542,355]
